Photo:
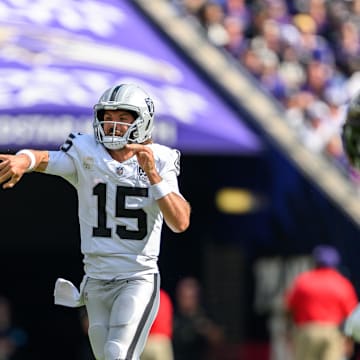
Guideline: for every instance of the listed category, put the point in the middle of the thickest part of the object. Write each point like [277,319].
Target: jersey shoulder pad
[77,140]
[168,157]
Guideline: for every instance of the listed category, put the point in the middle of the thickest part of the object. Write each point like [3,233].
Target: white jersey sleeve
[120,221]
[62,165]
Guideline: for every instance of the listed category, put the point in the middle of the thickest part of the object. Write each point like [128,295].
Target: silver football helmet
[128,97]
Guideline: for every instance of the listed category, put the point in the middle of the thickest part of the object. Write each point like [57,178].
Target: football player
[351,132]
[351,142]
[126,186]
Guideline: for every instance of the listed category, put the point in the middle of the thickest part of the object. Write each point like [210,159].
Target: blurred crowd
[306,53]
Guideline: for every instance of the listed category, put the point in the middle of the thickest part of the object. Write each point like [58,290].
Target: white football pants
[121,313]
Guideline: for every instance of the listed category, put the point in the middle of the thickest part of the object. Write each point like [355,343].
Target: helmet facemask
[112,141]
[129,98]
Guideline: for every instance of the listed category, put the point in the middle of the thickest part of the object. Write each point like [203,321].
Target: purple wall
[57,57]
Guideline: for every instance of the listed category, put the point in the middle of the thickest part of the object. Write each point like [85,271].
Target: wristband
[160,189]
[31,156]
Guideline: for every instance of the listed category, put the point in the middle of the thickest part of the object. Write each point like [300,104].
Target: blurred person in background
[12,338]
[159,343]
[319,301]
[84,351]
[196,335]
[127,188]
[211,16]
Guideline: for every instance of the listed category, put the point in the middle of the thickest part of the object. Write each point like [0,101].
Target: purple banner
[57,57]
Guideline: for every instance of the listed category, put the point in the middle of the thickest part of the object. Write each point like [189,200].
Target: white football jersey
[120,221]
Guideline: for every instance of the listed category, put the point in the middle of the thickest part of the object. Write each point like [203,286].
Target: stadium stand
[291,67]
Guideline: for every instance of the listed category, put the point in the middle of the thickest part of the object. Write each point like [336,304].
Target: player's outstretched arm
[13,167]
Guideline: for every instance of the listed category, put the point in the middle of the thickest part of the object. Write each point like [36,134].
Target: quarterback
[126,185]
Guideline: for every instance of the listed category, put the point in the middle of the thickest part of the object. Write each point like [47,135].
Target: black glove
[351,132]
